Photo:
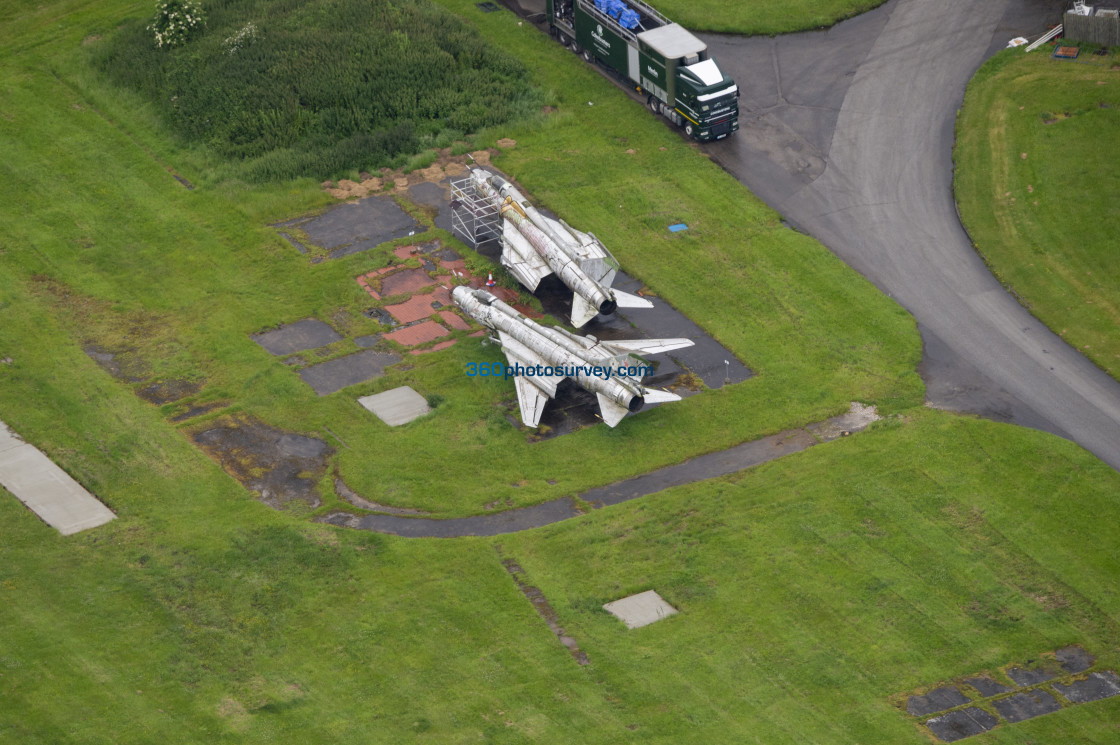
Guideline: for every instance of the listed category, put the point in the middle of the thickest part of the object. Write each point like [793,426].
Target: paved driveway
[848,134]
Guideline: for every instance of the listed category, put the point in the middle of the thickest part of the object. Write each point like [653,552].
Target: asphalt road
[848,133]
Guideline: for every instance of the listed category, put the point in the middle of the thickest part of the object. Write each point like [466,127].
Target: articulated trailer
[660,57]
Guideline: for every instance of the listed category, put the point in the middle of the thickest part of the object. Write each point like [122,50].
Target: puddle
[281,467]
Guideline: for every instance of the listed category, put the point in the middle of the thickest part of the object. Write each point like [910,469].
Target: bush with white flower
[241,39]
[176,21]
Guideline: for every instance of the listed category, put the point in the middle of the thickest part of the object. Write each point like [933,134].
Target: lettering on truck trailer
[598,36]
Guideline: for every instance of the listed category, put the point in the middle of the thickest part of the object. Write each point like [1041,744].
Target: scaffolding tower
[474,217]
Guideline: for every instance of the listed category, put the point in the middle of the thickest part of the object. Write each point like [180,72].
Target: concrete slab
[1026,705]
[297,337]
[396,407]
[346,371]
[1093,688]
[939,699]
[359,226]
[1026,677]
[1074,659]
[641,609]
[436,196]
[46,489]
[987,686]
[957,725]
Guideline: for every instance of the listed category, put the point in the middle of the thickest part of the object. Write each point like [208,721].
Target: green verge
[1036,182]
[813,591]
[761,16]
[90,207]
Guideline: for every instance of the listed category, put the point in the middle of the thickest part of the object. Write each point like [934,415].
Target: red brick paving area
[398,280]
[453,320]
[421,333]
[438,347]
[409,280]
[419,306]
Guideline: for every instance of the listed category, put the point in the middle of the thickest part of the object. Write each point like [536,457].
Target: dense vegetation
[306,87]
[1036,180]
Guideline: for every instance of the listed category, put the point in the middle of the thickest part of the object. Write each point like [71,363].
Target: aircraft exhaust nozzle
[608,306]
[636,404]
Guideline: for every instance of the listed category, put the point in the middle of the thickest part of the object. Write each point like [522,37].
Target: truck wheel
[587,55]
[652,103]
[688,129]
[576,48]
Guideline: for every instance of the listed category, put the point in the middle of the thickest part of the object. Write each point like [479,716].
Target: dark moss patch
[281,467]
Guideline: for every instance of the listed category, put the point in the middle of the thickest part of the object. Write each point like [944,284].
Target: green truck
[659,57]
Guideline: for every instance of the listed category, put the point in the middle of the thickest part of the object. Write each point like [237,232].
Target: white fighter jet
[540,357]
[534,246]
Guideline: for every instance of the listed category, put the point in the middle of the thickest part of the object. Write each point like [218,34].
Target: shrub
[175,22]
[316,87]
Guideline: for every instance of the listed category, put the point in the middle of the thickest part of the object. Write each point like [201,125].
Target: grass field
[813,591]
[1036,182]
[760,16]
[112,249]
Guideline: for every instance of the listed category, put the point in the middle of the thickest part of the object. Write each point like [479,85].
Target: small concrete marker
[396,407]
[46,489]
[640,610]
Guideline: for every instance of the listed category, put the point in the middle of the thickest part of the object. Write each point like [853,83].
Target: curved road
[848,133]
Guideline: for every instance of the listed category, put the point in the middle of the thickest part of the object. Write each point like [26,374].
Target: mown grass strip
[1036,185]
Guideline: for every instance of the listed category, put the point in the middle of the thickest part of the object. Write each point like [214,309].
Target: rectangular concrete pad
[346,371]
[957,725]
[1093,688]
[1074,659]
[396,407]
[640,610]
[1026,705]
[46,489]
[297,337]
[1026,677]
[939,699]
[987,686]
